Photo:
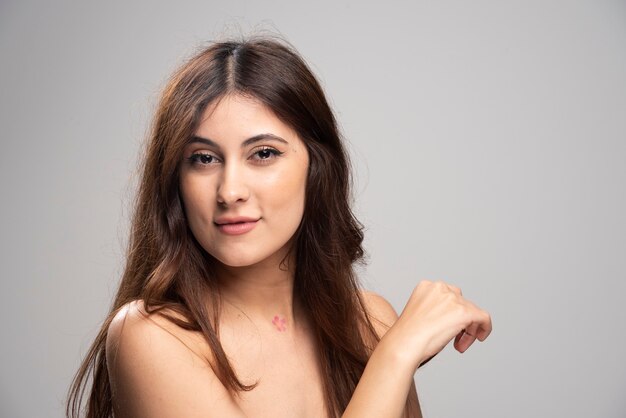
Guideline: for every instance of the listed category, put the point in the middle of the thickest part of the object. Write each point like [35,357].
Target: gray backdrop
[488,137]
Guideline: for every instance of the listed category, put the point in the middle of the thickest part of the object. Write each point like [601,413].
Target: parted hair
[170,271]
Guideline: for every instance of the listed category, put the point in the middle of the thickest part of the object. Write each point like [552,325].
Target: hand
[435,314]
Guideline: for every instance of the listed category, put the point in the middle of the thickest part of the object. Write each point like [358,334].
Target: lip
[236,225]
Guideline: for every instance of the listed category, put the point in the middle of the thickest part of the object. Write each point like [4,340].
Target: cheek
[284,192]
[196,196]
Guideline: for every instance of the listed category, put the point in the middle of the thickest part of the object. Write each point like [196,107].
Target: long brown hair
[167,268]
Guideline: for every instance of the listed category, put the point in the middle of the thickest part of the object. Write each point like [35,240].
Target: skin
[159,370]
[263,180]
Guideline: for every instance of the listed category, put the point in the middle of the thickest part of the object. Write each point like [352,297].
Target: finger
[481,325]
[485,327]
[463,341]
[469,335]
[457,339]
[473,330]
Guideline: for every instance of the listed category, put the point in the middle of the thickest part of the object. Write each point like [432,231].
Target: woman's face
[243,181]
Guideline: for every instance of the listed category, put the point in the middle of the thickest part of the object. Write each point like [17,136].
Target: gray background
[488,137]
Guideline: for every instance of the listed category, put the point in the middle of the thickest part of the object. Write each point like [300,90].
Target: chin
[238,259]
[237,262]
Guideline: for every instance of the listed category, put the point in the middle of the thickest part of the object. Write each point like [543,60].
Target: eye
[265,154]
[200,158]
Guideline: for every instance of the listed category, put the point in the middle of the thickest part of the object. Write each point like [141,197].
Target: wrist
[402,359]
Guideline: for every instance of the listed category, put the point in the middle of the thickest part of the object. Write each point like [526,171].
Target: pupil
[264,153]
[206,159]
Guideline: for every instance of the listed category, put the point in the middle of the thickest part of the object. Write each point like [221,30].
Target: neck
[263,291]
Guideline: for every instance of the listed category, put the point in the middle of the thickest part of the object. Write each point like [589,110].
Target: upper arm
[413,409]
[383,316]
[154,373]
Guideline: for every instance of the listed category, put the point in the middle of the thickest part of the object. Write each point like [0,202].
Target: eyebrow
[249,141]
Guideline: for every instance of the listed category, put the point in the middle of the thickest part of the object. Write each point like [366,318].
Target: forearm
[384,387]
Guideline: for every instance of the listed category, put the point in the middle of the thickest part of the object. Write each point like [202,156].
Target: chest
[285,368]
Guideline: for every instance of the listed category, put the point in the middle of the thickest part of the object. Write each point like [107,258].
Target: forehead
[235,118]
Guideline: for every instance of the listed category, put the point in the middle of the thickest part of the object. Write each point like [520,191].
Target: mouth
[236,226]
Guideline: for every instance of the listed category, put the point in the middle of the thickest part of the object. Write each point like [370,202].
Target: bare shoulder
[157,369]
[381,313]
[133,324]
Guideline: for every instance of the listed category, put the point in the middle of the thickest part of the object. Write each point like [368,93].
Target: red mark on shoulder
[279,323]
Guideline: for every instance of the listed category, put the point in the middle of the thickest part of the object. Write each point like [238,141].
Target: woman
[239,297]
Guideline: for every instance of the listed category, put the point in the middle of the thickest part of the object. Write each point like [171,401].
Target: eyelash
[196,157]
[273,153]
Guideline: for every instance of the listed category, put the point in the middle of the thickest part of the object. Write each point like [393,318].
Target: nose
[232,187]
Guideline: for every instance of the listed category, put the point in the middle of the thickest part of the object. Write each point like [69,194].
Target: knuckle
[451,297]
[425,282]
[462,310]
[441,286]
